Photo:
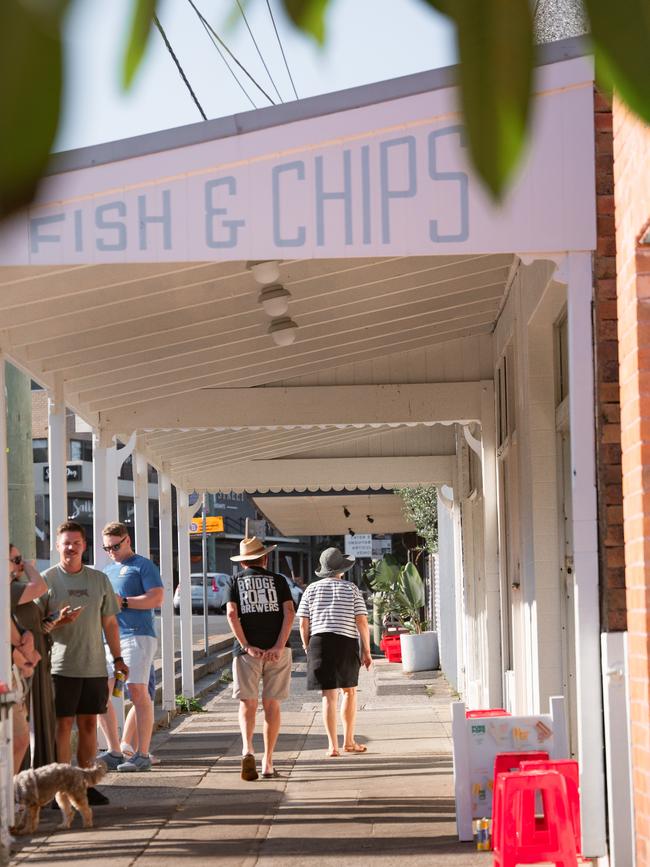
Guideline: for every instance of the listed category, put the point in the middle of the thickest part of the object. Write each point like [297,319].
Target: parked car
[217,584]
[296,592]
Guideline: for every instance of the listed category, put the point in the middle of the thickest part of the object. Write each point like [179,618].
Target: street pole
[204,552]
[20,461]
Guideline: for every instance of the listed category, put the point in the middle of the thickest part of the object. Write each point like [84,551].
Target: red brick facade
[608,420]
[632,194]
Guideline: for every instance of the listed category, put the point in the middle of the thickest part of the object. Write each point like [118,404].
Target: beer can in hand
[118,687]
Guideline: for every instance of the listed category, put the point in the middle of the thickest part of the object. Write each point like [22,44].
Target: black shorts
[333,661]
[80,695]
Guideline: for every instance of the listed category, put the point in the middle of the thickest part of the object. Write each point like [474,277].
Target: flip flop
[332,754]
[356,748]
[248,769]
[273,775]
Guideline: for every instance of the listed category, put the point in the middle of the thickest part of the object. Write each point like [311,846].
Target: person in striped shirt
[333,619]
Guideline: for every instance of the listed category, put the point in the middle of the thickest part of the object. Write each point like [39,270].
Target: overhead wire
[214,35]
[268,71]
[181,72]
[284,56]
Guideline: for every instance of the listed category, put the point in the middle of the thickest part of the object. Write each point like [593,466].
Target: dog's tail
[93,775]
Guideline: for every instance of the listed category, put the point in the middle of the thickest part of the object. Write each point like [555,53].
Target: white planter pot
[420,652]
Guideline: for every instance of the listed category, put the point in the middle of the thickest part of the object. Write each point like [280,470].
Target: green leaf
[30,97]
[413,586]
[621,39]
[143,13]
[496,53]
[308,16]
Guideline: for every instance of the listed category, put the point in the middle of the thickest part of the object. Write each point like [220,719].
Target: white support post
[57,455]
[585,542]
[491,544]
[141,503]
[6,740]
[105,501]
[461,625]
[107,463]
[184,515]
[167,638]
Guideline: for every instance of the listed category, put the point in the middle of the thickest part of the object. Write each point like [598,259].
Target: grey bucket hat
[333,562]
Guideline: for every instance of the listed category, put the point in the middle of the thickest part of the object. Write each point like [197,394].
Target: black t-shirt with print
[259,596]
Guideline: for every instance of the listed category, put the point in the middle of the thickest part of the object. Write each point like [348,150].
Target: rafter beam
[442,402]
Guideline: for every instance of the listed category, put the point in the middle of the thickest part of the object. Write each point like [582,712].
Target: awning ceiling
[323,515]
[123,336]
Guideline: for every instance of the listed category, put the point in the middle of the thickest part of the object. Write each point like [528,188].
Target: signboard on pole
[359,545]
[213,524]
[381,546]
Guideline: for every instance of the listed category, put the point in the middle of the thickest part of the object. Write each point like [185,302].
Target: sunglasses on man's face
[115,547]
[17,560]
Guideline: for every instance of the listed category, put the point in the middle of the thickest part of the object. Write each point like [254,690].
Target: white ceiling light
[275,300]
[283,331]
[265,272]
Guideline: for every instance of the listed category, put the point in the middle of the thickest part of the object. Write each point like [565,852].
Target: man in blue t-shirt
[139,589]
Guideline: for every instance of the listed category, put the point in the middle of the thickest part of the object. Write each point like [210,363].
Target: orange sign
[213,524]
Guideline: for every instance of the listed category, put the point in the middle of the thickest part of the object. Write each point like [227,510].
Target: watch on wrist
[125,602]
[118,659]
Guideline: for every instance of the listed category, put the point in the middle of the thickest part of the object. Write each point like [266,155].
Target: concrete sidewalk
[393,805]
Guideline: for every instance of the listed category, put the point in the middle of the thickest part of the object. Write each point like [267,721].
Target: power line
[284,56]
[207,25]
[178,65]
[227,65]
[268,71]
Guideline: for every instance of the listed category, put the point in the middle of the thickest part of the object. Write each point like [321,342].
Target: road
[217,625]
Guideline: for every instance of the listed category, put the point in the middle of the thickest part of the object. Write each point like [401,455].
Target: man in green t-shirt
[84,605]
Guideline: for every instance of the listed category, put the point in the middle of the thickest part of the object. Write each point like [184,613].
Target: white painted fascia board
[442,402]
[324,473]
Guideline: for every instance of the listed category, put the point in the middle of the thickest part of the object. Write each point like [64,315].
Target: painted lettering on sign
[368,194]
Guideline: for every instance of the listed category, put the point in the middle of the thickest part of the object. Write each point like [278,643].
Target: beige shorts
[275,676]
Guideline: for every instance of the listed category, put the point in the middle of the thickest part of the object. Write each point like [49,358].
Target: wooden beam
[303,405]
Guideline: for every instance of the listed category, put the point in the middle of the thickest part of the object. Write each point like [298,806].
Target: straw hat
[252,549]
[333,562]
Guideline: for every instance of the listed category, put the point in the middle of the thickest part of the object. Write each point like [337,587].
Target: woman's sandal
[356,748]
[332,754]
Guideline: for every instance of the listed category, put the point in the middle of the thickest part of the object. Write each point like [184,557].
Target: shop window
[505,394]
[562,366]
[39,451]
[126,473]
[81,450]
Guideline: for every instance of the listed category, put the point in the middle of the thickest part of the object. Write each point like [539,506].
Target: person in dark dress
[333,618]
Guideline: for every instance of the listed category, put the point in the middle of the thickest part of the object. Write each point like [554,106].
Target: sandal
[248,769]
[356,748]
[332,754]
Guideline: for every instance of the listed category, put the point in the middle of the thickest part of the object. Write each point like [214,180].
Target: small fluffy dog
[36,787]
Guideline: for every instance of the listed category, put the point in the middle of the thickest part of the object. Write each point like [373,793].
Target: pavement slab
[393,804]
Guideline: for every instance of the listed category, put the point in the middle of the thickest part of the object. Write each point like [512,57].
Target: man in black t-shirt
[260,612]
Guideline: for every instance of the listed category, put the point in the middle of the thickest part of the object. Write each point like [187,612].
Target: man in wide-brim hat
[260,612]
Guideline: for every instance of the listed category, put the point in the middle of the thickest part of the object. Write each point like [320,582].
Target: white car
[217,586]
[296,592]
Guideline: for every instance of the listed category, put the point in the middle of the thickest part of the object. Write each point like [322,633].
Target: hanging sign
[359,545]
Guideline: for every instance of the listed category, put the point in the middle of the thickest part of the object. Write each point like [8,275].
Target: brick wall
[608,427]
[632,196]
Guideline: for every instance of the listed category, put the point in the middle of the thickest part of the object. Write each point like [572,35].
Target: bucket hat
[252,549]
[333,562]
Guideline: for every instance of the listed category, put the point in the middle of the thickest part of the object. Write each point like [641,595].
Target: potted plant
[419,645]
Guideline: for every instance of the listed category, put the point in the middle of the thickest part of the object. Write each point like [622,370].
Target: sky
[367,40]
